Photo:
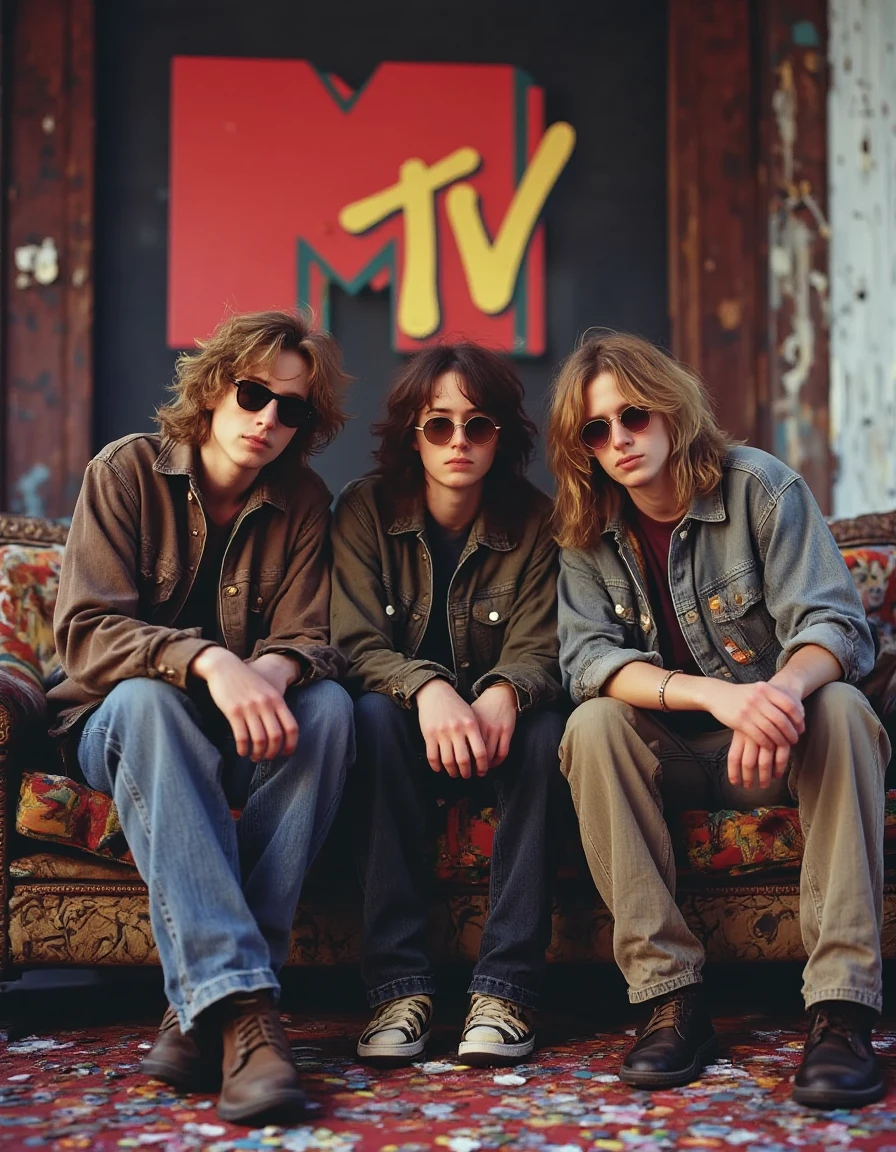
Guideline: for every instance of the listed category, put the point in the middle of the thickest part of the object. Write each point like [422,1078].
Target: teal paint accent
[306,256]
[346,103]
[805,34]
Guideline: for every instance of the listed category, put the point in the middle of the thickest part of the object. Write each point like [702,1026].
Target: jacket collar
[709,507]
[178,459]
[410,516]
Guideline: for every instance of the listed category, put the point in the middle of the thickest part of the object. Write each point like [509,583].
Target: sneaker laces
[409,1014]
[502,1015]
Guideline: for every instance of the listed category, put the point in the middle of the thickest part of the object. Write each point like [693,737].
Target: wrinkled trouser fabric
[624,763]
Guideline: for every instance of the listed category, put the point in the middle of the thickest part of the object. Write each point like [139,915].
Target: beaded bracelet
[663,705]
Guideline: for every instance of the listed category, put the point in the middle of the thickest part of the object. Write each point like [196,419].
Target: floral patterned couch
[69,893]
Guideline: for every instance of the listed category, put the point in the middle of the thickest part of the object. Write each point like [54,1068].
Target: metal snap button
[683,535]
[194,532]
[691,617]
[160,579]
[620,611]
[645,622]
[738,599]
[231,590]
[190,497]
[494,615]
[390,611]
[465,663]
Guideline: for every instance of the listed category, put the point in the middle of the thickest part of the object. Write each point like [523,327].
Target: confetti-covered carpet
[81,1089]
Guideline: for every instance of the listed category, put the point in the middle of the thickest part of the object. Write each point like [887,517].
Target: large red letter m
[266,154]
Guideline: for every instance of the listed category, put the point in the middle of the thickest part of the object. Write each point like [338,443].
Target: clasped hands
[462,738]
[767,719]
[250,695]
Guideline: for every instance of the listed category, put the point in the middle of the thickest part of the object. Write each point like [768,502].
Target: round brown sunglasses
[596,433]
[478,430]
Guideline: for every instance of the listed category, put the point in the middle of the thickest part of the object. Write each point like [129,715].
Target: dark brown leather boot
[189,1061]
[261,1084]
[676,1044]
[839,1067]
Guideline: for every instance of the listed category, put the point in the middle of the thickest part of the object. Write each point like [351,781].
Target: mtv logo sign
[429,181]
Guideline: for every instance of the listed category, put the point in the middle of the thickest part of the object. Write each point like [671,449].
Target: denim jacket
[754,574]
[502,603]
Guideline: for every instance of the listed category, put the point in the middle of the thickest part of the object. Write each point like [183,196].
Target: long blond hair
[587,499]
[253,340]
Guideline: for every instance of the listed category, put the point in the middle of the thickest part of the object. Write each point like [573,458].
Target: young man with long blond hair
[710,635]
[192,625]
[444,604]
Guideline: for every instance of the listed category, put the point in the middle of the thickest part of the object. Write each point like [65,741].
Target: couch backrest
[31,552]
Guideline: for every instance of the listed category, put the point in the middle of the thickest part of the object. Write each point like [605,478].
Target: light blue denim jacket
[754,573]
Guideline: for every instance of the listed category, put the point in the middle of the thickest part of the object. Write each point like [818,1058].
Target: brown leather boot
[189,1061]
[261,1084]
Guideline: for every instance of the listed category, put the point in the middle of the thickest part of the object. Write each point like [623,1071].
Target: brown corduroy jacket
[133,551]
[502,605]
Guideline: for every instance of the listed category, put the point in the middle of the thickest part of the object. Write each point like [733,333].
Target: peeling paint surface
[27,498]
[798,283]
[862,186]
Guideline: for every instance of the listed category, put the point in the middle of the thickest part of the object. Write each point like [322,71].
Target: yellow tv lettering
[414,195]
[492,269]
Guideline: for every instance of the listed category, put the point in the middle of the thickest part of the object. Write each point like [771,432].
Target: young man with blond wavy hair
[710,635]
[192,625]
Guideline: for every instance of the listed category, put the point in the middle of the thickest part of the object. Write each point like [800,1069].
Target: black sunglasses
[478,430]
[292,411]
[596,433]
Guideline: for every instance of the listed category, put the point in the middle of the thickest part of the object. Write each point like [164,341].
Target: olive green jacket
[502,601]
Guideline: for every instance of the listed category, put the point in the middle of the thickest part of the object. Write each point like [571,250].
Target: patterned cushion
[29,579]
[873,571]
[59,809]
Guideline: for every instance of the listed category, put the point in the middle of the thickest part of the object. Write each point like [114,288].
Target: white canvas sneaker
[496,1032]
[398,1031]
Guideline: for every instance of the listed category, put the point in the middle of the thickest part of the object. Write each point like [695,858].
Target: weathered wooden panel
[47,356]
[712,205]
[862,115]
[793,174]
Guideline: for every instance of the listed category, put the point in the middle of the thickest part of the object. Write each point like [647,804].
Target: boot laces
[840,1023]
[260,1030]
[669,1014]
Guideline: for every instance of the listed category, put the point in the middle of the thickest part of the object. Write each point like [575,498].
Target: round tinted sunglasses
[292,411]
[478,430]
[596,433]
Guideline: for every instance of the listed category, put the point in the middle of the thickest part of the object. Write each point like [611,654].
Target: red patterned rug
[82,1090]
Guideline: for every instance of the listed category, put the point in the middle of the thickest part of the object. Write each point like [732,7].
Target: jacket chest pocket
[740,619]
[489,624]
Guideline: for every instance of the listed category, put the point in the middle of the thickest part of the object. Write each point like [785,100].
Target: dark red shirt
[655,538]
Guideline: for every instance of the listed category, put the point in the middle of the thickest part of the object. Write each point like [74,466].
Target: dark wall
[602,65]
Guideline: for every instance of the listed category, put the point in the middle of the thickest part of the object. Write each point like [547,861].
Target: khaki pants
[623,763]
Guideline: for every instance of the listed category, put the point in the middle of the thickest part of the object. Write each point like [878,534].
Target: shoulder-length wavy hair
[587,499]
[488,382]
[246,343]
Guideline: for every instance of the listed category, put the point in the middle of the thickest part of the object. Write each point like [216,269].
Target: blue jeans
[222,892]
[399,788]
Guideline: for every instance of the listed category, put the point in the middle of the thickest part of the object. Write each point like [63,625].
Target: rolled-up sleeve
[593,642]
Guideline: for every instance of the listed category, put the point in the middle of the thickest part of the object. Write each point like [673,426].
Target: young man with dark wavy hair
[711,636]
[444,606]
[192,624]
